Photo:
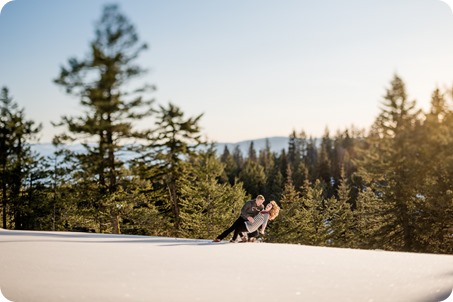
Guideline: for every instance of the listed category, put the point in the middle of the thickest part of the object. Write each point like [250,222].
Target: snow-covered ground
[57,266]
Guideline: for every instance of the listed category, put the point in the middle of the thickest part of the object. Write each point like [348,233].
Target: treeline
[389,187]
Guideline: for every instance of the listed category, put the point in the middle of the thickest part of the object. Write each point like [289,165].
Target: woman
[248,211]
[259,222]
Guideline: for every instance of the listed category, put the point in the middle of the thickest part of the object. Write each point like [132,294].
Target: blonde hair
[260,197]
[273,213]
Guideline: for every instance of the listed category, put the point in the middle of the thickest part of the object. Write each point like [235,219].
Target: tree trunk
[115,224]
[4,197]
[101,160]
[174,202]
[111,156]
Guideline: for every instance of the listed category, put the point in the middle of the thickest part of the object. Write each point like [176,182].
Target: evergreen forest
[387,187]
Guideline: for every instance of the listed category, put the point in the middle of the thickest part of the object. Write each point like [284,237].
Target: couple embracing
[253,219]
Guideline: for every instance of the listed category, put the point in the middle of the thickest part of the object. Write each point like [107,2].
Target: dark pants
[234,227]
[238,227]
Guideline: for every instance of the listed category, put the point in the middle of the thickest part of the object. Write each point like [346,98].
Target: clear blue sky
[255,68]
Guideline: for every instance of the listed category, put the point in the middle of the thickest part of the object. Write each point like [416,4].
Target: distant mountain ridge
[277,144]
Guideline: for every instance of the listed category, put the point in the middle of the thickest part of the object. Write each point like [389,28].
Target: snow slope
[58,266]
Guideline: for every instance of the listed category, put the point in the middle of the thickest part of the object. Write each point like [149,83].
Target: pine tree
[311,159]
[340,218]
[287,226]
[60,167]
[376,222]
[207,206]
[101,82]
[274,179]
[131,204]
[253,177]
[238,158]
[35,204]
[315,226]
[231,169]
[390,165]
[435,207]
[297,146]
[252,152]
[175,139]
[282,163]
[267,161]
[15,134]
[294,149]
[323,168]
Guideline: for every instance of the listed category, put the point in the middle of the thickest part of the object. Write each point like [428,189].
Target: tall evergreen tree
[274,180]
[340,218]
[294,149]
[231,169]
[207,206]
[102,82]
[174,139]
[252,152]
[283,164]
[311,158]
[61,168]
[297,148]
[390,165]
[15,135]
[274,184]
[35,204]
[435,210]
[238,158]
[287,226]
[253,177]
[375,222]
[265,158]
[315,217]
[323,168]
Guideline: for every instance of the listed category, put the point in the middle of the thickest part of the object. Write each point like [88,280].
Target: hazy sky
[255,68]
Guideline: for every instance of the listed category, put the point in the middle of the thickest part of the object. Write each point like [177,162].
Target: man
[258,227]
[250,209]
